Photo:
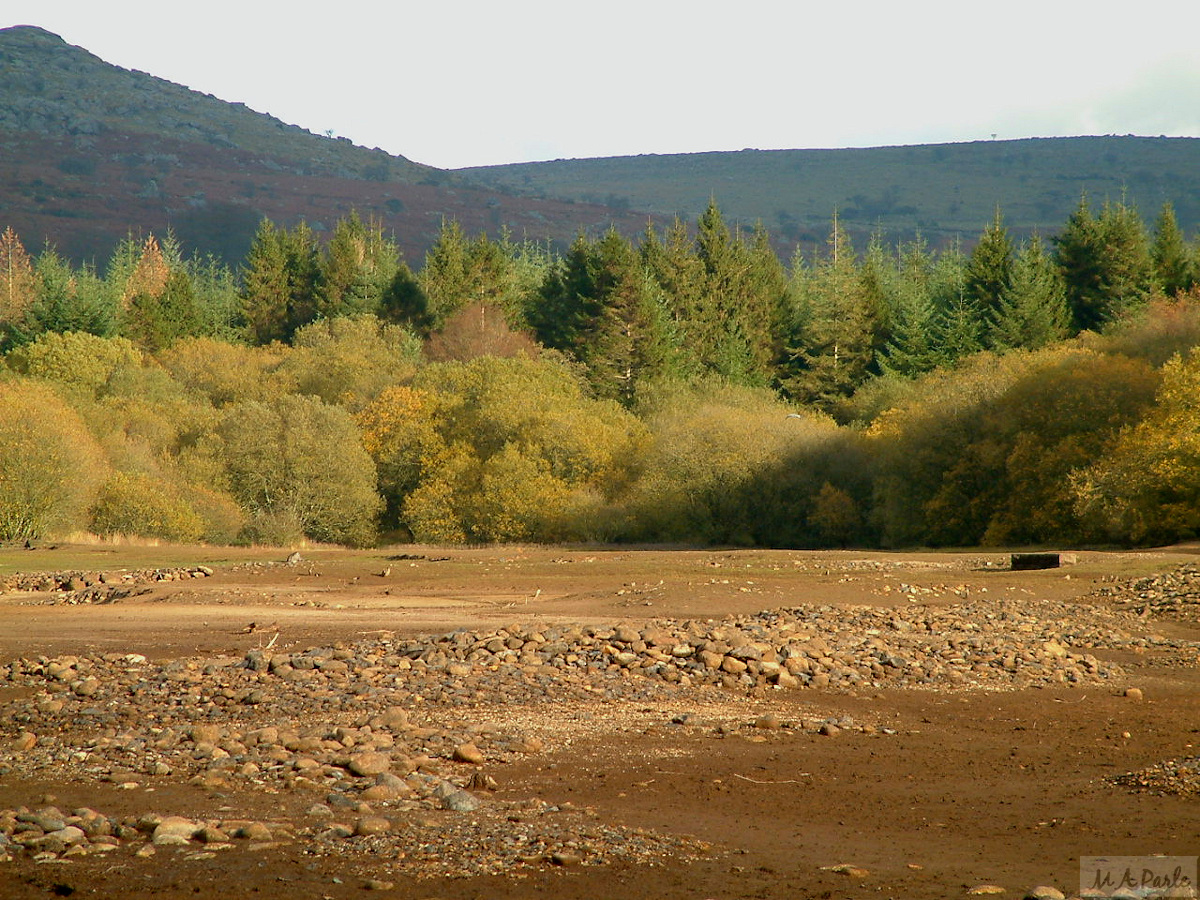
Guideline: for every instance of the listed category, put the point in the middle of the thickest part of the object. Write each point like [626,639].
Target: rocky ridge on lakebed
[387,748]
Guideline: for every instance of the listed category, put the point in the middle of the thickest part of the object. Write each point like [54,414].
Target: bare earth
[669,790]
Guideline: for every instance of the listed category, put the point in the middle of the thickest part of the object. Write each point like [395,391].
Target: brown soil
[999,787]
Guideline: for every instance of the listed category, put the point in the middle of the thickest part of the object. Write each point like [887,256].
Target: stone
[372,762]
[984,889]
[367,826]
[468,753]
[256,831]
[1044,892]
[173,831]
[1133,693]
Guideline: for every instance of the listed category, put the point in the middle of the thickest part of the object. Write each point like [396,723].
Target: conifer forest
[689,386]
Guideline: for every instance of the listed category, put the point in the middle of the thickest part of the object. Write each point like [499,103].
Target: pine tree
[629,341]
[18,284]
[960,323]
[1174,268]
[1105,262]
[1033,310]
[66,301]
[280,282]
[568,299]
[833,352]
[989,268]
[911,348]
[359,263]
[155,321]
[1128,270]
[1078,249]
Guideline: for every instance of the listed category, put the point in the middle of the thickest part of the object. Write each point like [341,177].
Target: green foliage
[1032,309]
[1175,266]
[1147,488]
[989,269]
[135,504]
[280,282]
[349,361]
[496,449]
[1105,262]
[83,363]
[64,300]
[298,468]
[603,306]
[984,454]
[832,348]
[699,479]
[226,373]
[461,271]
[50,466]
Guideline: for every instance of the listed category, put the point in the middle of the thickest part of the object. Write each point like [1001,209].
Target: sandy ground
[1004,788]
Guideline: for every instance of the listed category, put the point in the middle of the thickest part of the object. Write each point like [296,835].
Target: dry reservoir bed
[553,723]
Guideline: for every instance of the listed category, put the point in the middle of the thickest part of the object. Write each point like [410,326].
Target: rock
[1133,693]
[1044,892]
[770,722]
[257,831]
[375,884]
[210,834]
[565,858]
[366,826]
[173,831]
[847,870]
[982,889]
[459,800]
[393,718]
[468,753]
[372,762]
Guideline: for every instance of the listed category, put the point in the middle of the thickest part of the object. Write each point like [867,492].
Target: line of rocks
[1172,776]
[77,587]
[48,833]
[1174,594]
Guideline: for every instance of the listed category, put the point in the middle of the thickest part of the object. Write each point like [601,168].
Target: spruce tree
[960,323]
[1174,267]
[833,352]
[989,268]
[911,348]
[1033,310]
[280,282]
[1105,263]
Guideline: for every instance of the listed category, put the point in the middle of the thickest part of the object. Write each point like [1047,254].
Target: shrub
[298,468]
[50,466]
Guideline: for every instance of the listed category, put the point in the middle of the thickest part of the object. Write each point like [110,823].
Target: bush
[298,468]
[135,504]
[50,465]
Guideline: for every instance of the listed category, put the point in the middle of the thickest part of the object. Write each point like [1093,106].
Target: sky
[455,84]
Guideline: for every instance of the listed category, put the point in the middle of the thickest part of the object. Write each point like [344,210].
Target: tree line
[688,386]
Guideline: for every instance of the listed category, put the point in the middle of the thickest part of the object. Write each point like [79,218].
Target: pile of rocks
[1173,776]
[1174,594]
[495,839]
[94,587]
[49,833]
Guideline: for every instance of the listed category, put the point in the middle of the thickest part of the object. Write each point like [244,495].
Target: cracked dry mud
[512,722]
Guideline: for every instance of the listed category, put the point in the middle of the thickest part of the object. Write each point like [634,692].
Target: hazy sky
[457,84]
